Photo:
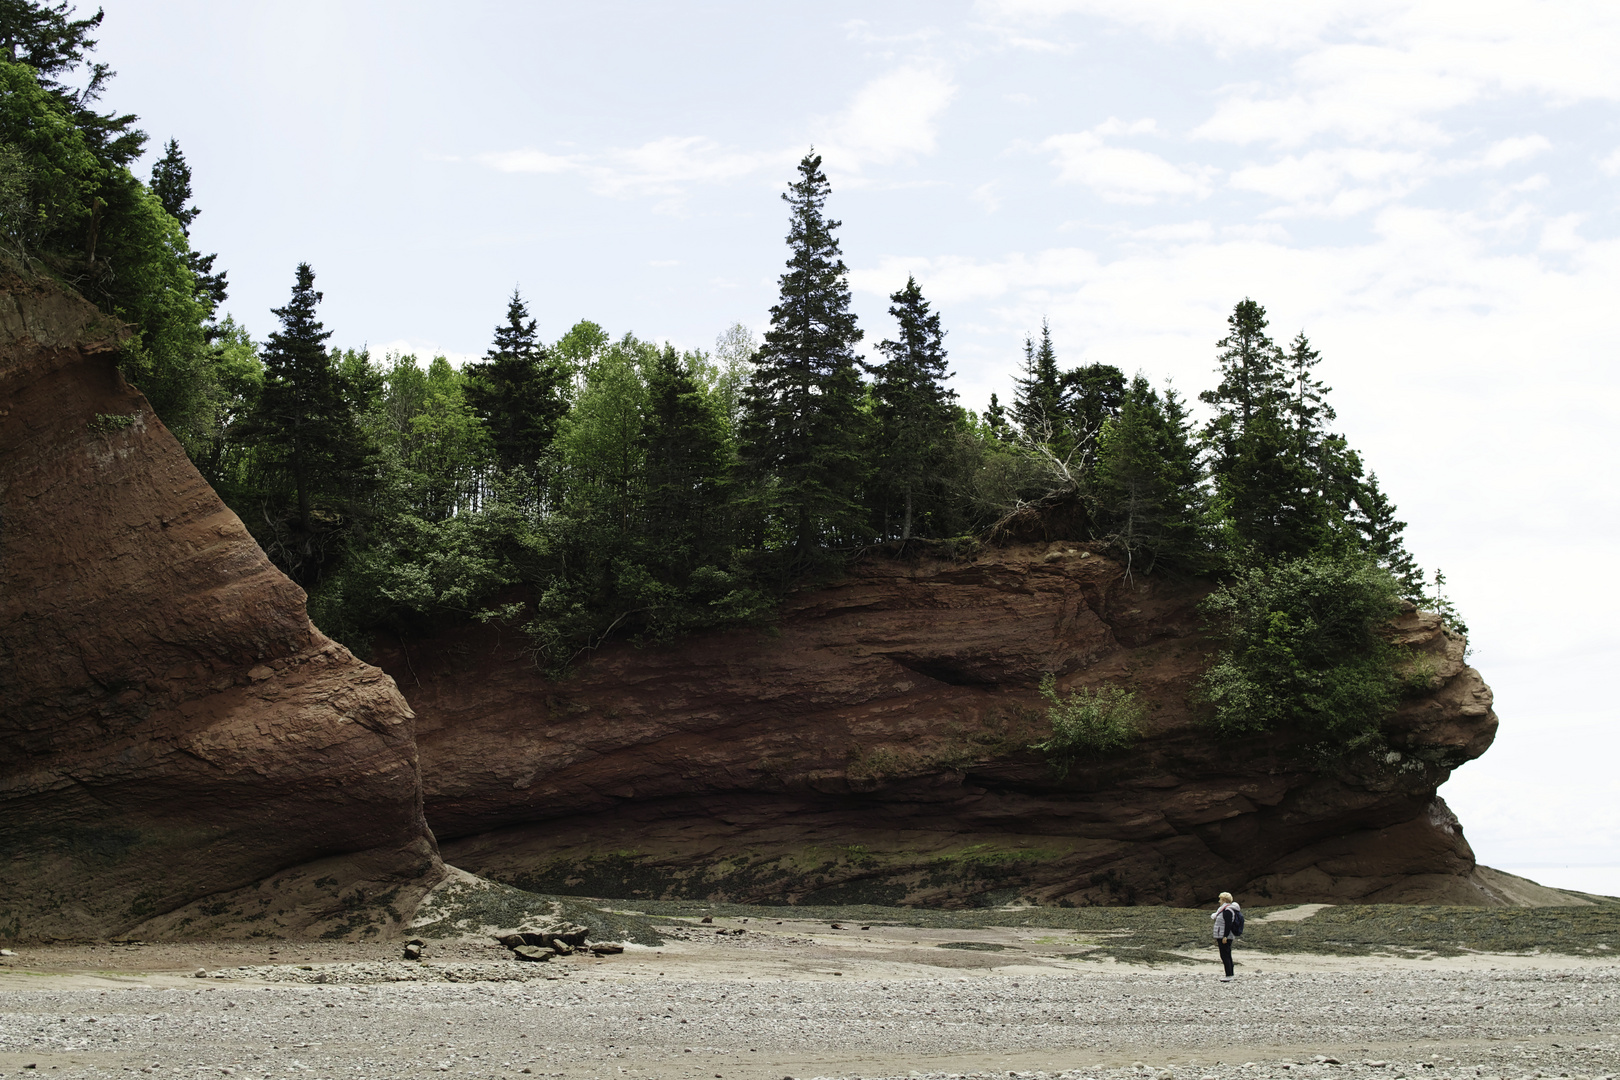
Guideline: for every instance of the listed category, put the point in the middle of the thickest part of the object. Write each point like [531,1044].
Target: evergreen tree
[1270,493]
[995,418]
[171,183]
[913,410]
[1146,483]
[518,391]
[688,456]
[1373,516]
[1038,401]
[1251,369]
[801,427]
[45,38]
[1091,396]
[304,421]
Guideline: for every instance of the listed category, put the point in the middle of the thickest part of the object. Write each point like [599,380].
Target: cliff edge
[873,746]
[180,749]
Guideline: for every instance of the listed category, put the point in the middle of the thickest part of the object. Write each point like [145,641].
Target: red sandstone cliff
[182,752]
[872,746]
[179,748]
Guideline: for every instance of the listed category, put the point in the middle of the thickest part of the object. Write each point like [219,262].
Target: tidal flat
[762,993]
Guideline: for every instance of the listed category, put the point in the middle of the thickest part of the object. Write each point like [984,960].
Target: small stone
[532,952]
[607,948]
[7,952]
[707,919]
[200,973]
[836,926]
[413,952]
[415,941]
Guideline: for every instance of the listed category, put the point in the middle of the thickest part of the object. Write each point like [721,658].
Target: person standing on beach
[1224,917]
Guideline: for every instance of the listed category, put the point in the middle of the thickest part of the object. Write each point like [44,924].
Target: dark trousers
[1225,944]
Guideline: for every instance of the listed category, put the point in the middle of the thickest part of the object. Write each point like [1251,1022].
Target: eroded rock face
[180,750]
[873,746]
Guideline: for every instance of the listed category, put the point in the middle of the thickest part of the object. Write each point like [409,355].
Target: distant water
[1592,879]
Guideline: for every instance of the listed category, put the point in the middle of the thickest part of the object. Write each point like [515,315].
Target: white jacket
[1220,923]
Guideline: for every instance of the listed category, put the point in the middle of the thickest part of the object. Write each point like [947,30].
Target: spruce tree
[1146,484]
[801,425]
[913,411]
[1373,516]
[1038,400]
[171,183]
[45,37]
[304,421]
[995,418]
[1270,494]
[518,391]
[688,458]
[1091,396]
[1251,369]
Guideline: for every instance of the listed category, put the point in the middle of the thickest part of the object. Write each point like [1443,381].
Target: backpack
[1234,921]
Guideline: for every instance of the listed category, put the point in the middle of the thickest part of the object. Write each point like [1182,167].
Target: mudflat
[797,997]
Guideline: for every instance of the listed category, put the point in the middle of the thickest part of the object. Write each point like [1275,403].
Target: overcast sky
[1427,188]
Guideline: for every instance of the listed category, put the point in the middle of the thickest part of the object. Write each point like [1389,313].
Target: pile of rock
[540,945]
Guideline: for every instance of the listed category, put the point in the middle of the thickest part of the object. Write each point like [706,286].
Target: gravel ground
[800,1000]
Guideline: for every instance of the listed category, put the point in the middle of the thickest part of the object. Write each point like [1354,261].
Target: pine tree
[171,183]
[1038,401]
[995,418]
[305,418]
[801,428]
[518,391]
[912,407]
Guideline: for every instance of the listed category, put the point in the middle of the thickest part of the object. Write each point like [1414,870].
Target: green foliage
[1304,648]
[111,423]
[313,452]
[518,392]
[914,416]
[803,428]
[1147,486]
[603,486]
[1088,723]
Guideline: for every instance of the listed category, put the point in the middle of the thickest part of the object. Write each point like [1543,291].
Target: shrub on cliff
[1087,722]
[1305,648]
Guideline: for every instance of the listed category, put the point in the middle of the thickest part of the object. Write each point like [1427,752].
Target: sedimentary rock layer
[873,745]
[179,748]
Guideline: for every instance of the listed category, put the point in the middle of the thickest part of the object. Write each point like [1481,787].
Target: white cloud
[1520,148]
[892,119]
[1611,164]
[529,161]
[1335,183]
[1123,174]
[1374,71]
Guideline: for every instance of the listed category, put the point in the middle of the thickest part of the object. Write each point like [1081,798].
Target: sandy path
[796,999]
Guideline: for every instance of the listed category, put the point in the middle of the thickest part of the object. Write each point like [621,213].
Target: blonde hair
[1226,898]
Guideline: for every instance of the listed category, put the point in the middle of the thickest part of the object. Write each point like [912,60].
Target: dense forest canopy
[597,485]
